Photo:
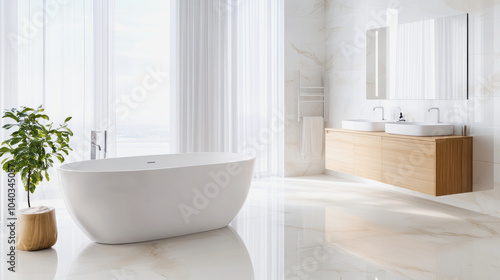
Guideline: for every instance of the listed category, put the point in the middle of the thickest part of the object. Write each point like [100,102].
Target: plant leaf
[9,125]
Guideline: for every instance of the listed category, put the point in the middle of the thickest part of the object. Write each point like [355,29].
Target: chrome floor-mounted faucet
[94,146]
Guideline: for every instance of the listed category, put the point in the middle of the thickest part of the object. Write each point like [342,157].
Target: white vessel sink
[364,125]
[419,129]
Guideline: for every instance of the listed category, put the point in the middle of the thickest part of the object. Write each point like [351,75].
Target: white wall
[346,22]
[304,50]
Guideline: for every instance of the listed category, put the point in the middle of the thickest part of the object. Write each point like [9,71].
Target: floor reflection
[315,228]
[38,265]
[217,254]
[430,248]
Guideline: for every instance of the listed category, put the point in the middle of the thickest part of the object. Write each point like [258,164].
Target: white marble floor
[317,227]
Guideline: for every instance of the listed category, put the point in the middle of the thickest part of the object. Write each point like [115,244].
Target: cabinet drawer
[339,151]
[368,157]
[410,164]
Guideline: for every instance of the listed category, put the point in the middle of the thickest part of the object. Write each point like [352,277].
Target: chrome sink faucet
[380,107]
[435,108]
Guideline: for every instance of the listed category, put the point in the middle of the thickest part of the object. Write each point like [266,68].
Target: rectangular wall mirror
[420,60]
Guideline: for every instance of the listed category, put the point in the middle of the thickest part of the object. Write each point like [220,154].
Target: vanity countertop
[383,134]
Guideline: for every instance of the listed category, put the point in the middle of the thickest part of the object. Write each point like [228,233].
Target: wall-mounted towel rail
[310,94]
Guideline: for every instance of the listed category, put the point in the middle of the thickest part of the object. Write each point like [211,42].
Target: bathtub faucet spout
[94,145]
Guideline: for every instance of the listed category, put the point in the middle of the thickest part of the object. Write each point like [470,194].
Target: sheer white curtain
[47,59]
[8,80]
[8,54]
[230,79]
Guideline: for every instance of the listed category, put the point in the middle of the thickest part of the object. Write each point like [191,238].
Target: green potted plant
[30,152]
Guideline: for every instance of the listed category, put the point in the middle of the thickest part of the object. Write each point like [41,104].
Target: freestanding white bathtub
[134,199]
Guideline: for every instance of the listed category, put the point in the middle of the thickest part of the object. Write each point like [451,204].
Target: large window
[142,76]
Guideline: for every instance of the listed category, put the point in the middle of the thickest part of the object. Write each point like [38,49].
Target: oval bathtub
[134,199]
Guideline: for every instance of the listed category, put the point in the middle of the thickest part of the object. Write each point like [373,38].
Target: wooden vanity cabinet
[431,165]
